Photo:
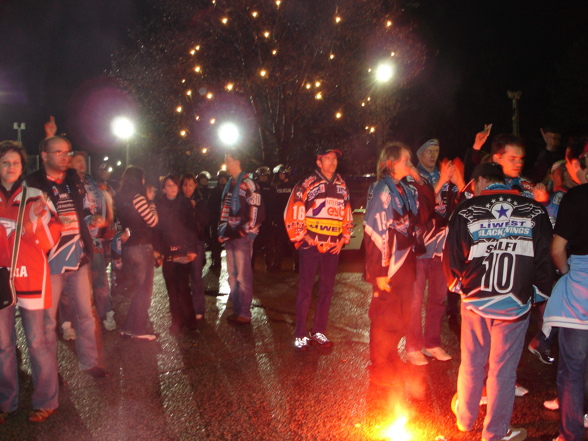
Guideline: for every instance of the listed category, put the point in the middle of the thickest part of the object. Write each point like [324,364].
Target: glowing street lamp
[228,133]
[123,128]
[384,72]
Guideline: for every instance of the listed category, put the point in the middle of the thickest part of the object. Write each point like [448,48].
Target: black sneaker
[544,355]
[97,372]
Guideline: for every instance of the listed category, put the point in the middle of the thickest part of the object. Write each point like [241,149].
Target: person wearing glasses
[69,259]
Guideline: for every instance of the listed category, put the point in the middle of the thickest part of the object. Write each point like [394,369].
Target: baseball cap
[322,151]
[488,169]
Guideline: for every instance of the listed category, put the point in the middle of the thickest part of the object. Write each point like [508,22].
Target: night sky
[477,51]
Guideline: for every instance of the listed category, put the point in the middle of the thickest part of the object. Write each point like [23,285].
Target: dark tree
[291,74]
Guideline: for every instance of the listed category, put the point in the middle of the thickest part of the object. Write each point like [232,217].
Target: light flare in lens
[397,430]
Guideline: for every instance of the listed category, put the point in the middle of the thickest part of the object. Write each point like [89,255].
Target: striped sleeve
[146,209]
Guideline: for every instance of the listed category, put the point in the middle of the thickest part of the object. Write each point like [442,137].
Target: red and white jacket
[31,278]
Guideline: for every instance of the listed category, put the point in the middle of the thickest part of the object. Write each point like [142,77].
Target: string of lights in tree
[317,87]
[293,70]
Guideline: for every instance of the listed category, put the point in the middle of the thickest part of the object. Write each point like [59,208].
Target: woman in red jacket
[34,237]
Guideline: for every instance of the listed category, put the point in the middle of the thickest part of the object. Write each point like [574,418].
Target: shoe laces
[322,338]
[300,342]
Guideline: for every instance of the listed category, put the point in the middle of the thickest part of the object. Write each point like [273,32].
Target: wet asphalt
[246,382]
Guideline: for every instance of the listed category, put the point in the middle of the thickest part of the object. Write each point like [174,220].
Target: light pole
[383,74]
[123,128]
[19,127]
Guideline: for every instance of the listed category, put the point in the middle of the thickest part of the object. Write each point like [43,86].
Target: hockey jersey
[497,253]
[320,208]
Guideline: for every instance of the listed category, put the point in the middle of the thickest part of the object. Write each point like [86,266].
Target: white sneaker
[69,333]
[301,343]
[437,353]
[417,358]
[109,323]
[551,404]
[520,391]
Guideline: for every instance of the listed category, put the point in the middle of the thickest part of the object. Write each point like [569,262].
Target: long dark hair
[132,181]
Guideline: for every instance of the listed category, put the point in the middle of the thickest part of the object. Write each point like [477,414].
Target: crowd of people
[474,240]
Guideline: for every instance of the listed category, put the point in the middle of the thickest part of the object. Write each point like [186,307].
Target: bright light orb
[397,431]
[228,133]
[122,127]
[384,72]
[105,158]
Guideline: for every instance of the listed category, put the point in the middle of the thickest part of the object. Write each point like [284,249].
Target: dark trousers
[177,282]
[389,313]
[312,260]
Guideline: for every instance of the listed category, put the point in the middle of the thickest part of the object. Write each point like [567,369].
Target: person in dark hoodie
[175,247]
[138,217]
[198,225]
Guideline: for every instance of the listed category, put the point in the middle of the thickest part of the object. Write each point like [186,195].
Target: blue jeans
[43,360]
[100,286]
[498,343]
[431,269]
[138,266]
[312,259]
[573,355]
[76,286]
[100,290]
[240,274]
[196,283]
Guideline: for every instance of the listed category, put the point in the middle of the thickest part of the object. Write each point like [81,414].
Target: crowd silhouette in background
[435,231]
